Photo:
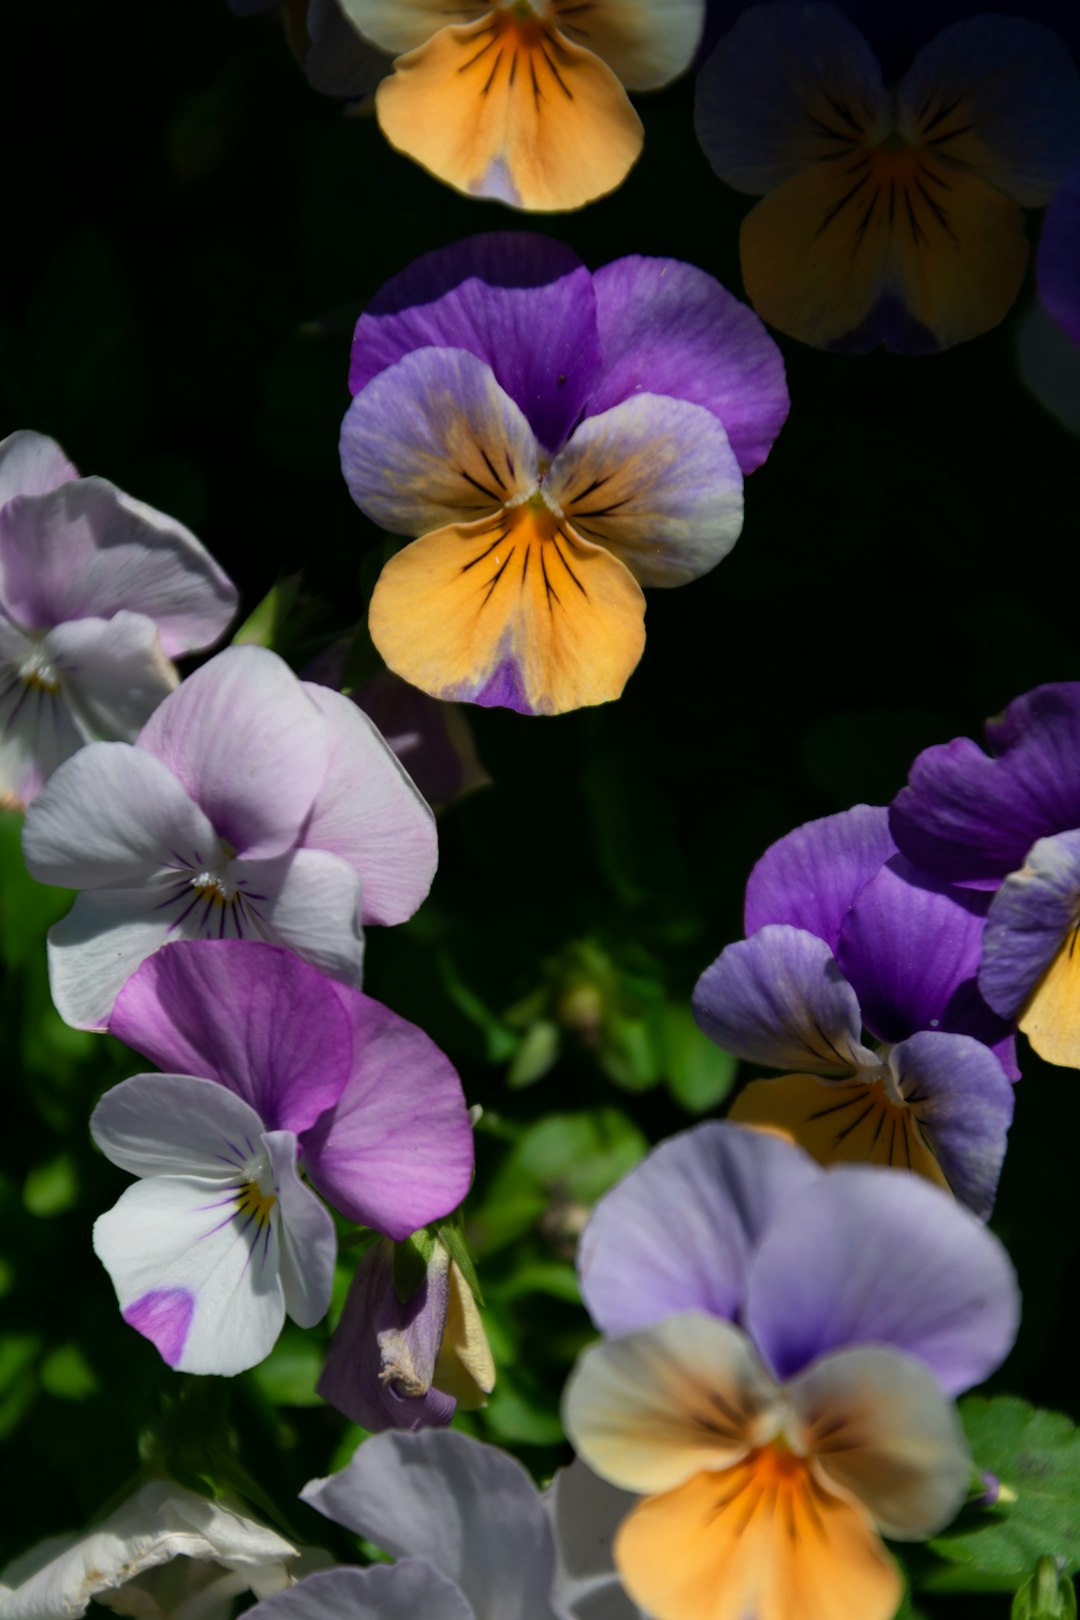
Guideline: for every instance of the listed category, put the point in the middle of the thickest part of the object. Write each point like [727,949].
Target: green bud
[1047,1594]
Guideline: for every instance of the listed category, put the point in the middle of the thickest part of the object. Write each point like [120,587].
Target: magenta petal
[678,1232]
[396,1151]
[810,877]
[670,328]
[519,302]
[252,1016]
[163,1317]
[876,1256]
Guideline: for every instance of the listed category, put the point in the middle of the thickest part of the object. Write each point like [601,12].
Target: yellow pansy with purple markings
[890,214]
[557,439]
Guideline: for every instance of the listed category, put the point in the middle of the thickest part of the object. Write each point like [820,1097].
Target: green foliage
[1046,1594]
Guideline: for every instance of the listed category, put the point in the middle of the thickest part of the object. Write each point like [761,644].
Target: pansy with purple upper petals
[1058,262]
[1009,821]
[251,806]
[784,1345]
[558,440]
[270,1066]
[98,594]
[845,938]
[890,214]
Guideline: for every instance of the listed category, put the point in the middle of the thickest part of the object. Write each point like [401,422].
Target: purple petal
[519,302]
[810,878]
[251,1016]
[382,1592]
[248,745]
[967,817]
[1058,263]
[874,1256]
[1030,918]
[31,464]
[382,1349]
[669,328]
[370,812]
[86,550]
[678,1232]
[396,1150]
[963,1101]
[779,998]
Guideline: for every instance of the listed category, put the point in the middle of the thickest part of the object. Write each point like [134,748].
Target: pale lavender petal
[435,440]
[1030,918]
[963,1101]
[669,328]
[396,1151]
[86,550]
[408,1591]
[248,745]
[468,1508]
[307,1235]
[37,731]
[779,998]
[251,1016]
[175,1124]
[97,947]
[1058,262]
[585,1512]
[967,817]
[309,901]
[370,812]
[679,1231]
[493,295]
[811,877]
[113,673]
[381,1358]
[876,1256]
[30,464]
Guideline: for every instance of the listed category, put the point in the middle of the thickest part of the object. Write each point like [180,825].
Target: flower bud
[1046,1595]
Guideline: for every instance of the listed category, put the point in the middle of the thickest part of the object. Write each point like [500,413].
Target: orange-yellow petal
[839,1122]
[516,610]
[510,108]
[1051,1019]
[764,1538]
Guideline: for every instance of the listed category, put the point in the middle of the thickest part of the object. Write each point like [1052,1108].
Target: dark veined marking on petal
[789,1516]
[489,81]
[469,479]
[867,1111]
[861,227]
[1072,942]
[497,575]
[877,1132]
[513,66]
[844,113]
[509,463]
[938,212]
[756,1499]
[498,540]
[810,1500]
[917,232]
[564,11]
[489,464]
[943,112]
[556,75]
[835,1050]
[838,1108]
[605,511]
[567,566]
[831,134]
[538,94]
[552,593]
[493,34]
[583,494]
[838,208]
[723,1502]
[725,1408]
[525,565]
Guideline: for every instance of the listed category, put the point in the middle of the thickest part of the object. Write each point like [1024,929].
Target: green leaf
[290,1372]
[1036,1457]
[66,1374]
[51,1189]
[411,1263]
[699,1074]
[262,627]
[453,1241]
[1046,1594]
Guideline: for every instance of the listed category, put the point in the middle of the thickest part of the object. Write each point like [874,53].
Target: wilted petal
[678,1232]
[30,464]
[113,673]
[669,328]
[369,812]
[876,1423]
[248,745]
[1058,263]
[811,877]
[779,998]
[407,1592]
[654,481]
[469,1509]
[646,43]
[866,1256]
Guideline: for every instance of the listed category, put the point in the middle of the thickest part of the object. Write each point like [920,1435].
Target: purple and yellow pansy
[557,439]
[889,215]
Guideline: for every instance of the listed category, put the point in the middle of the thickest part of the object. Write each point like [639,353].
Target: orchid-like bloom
[891,215]
[397,1363]
[784,1345]
[166,1552]
[98,593]
[558,439]
[1058,262]
[1010,821]
[844,938]
[523,100]
[251,806]
[267,1063]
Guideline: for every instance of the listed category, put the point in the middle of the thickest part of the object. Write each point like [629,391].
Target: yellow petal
[509,108]
[1051,1019]
[839,1122]
[464,1367]
[764,1538]
[515,610]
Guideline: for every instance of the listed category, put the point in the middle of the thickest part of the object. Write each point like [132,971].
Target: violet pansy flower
[785,1343]
[845,938]
[1009,821]
[269,1066]
[1058,261]
[558,440]
[251,806]
[890,214]
[98,594]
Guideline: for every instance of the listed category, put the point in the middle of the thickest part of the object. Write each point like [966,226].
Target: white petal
[31,464]
[96,948]
[176,1124]
[308,1237]
[113,671]
[409,1591]
[311,904]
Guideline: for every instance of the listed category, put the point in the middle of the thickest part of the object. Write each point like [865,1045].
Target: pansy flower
[890,215]
[98,593]
[1058,263]
[268,1066]
[251,806]
[558,440]
[860,979]
[785,1343]
[1009,821]
[524,100]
